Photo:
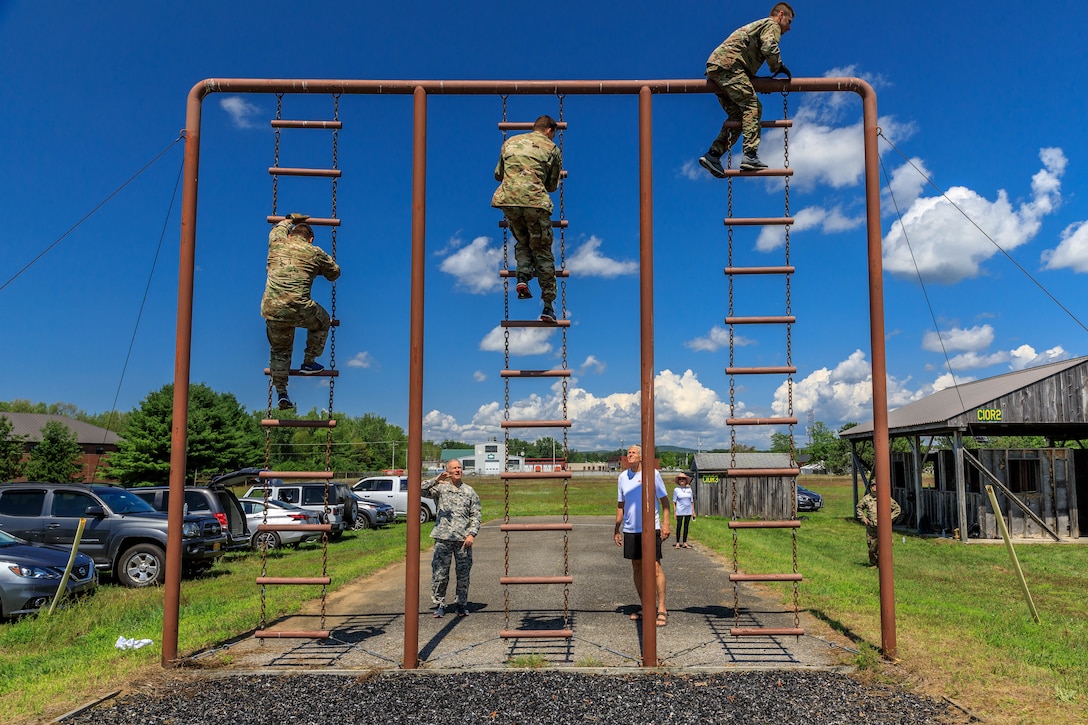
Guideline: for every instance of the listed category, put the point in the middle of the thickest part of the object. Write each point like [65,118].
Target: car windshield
[121,501]
[7,539]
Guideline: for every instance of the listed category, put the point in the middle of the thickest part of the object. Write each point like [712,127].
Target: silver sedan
[30,575]
[278,512]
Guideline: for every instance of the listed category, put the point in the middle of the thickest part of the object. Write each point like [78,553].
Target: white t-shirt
[630,495]
[682,500]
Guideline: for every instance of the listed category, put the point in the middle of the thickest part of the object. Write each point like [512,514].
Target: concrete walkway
[367,619]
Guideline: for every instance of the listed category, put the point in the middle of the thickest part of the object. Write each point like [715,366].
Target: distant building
[97,443]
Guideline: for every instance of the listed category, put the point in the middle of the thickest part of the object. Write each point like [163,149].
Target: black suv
[123,533]
[212,500]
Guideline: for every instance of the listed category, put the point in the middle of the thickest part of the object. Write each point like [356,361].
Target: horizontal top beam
[465,87]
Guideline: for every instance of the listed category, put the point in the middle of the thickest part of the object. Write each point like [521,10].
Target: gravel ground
[520,696]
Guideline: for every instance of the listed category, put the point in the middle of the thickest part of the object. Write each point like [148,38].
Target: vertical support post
[961,485]
[646,317]
[880,374]
[916,452]
[415,376]
[182,354]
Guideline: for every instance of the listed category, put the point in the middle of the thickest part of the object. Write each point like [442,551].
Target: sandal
[676,546]
[662,619]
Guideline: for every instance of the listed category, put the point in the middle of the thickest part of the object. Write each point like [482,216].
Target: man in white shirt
[629,526]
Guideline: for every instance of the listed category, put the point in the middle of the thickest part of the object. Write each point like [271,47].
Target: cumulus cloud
[362,360]
[947,247]
[522,341]
[479,376]
[716,339]
[975,338]
[829,221]
[475,265]
[240,111]
[907,182]
[1071,252]
[1026,357]
[592,364]
[587,261]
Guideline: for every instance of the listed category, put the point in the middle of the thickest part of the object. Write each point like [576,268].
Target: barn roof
[29,425]
[1047,400]
[705,462]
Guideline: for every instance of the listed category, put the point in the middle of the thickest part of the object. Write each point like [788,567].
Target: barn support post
[961,484]
[916,452]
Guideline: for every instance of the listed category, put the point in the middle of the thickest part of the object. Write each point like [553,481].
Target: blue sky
[974,97]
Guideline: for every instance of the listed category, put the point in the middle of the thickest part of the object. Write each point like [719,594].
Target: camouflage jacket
[458,511]
[866,510]
[528,168]
[293,263]
[749,46]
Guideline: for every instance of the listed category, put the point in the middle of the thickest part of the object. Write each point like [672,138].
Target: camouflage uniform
[528,168]
[457,516]
[731,67]
[866,511]
[293,263]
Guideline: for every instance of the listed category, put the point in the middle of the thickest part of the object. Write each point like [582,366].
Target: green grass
[963,628]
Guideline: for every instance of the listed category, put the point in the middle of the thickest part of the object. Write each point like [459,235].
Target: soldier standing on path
[731,67]
[528,169]
[866,511]
[293,263]
[456,524]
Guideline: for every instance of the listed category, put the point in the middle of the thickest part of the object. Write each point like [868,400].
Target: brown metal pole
[886,574]
[182,351]
[646,312]
[415,377]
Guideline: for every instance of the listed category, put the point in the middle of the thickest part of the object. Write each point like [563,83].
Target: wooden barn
[1042,492]
[95,443]
[770,498]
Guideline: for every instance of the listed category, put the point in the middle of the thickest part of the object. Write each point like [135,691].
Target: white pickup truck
[393,490]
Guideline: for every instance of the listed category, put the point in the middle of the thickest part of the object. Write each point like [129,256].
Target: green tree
[11,451]
[826,447]
[780,443]
[57,458]
[222,437]
[448,444]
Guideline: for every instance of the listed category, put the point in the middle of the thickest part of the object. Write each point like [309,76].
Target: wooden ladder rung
[536,424]
[288,171]
[556,223]
[761,320]
[765,370]
[311,580]
[293,423]
[326,373]
[761,172]
[292,634]
[295,527]
[312,221]
[733,221]
[536,580]
[764,577]
[285,123]
[534,373]
[536,527]
[759,472]
[777,123]
[788,524]
[534,323]
[514,273]
[525,125]
[528,475]
[536,634]
[781,269]
[327,475]
[761,421]
[766,632]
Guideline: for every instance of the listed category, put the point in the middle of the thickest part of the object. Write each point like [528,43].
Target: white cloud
[587,261]
[479,376]
[239,110]
[1026,357]
[947,247]
[716,339]
[829,221]
[475,266]
[905,187]
[692,170]
[362,360]
[976,360]
[592,364]
[523,340]
[975,338]
[1071,252]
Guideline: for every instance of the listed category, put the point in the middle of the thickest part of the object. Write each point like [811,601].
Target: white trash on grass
[131,643]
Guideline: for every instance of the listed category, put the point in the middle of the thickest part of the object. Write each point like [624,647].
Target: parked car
[123,534]
[393,490]
[211,500]
[373,514]
[808,500]
[279,512]
[30,575]
[310,495]
[341,493]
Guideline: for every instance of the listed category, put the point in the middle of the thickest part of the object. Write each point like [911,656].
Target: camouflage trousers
[738,98]
[446,552]
[872,543]
[281,338]
[532,229]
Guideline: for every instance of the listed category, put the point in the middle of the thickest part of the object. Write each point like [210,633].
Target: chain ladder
[789,358]
[563,333]
[732,401]
[506,393]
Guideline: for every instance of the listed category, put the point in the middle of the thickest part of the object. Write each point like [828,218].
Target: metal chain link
[789,357]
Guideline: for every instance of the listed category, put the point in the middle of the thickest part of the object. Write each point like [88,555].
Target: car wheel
[336,535]
[361,522]
[424,514]
[143,565]
[267,540]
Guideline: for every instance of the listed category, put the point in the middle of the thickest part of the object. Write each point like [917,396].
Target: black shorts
[632,545]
